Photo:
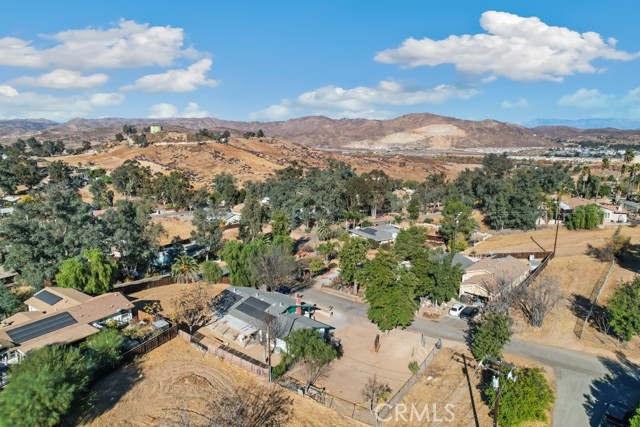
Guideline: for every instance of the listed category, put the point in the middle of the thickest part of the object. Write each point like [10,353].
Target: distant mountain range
[622,124]
[412,131]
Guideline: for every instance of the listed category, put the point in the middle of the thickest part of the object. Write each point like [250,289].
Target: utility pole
[500,369]
[455,232]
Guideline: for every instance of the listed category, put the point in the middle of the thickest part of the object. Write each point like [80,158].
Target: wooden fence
[146,283]
[143,348]
[402,391]
[229,354]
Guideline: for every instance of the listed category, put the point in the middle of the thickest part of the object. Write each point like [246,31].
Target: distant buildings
[385,233]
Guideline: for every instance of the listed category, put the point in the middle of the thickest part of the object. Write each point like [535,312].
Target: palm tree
[586,173]
[606,163]
[629,155]
[323,229]
[185,269]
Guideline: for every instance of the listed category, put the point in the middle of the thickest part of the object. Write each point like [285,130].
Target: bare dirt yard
[446,396]
[175,378]
[578,274]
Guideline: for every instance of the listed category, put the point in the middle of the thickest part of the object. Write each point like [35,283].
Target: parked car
[469,313]
[615,415]
[283,289]
[456,309]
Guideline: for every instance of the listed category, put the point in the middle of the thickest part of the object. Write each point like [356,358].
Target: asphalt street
[584,382]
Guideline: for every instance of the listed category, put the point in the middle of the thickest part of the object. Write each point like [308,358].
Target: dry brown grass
[175,377]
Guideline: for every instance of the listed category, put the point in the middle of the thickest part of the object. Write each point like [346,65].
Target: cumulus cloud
[8,91]
[587,99]
[520,103]
[165,111]
[63,79]
[128,44]
[522,49]
[184,80]
[14,104]
[361,101]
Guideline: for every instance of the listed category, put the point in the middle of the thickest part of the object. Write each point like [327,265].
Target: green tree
[43,387]
[225,185]
[211,272]
[174,188]
[239,258]
[635,420]
[307,348]
[456,219]
[105,348]
[100,272]
[351,256]
[410,243]
[131,179]
[280,223]
[527,399]
[585,217]
[207,232]
[99,193]
[133,235]
[497,165]
[389,292]
[9,303]
[414,208]
[253,217]
[72,274]
[59,172]
[185,269]
[491,336]
[624,308]
[316,265]
[437,279]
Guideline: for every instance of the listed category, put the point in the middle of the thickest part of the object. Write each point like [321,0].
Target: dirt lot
[349,374]
[577,273]
[445,383]
[175,377]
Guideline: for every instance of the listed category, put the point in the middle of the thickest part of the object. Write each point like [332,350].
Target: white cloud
[361,101]
[523,49]
[8,91]
[14,104]
[184,80]
[604,105]
[126,45]
[520,103]
[165,111]
[63,79]
[587,99]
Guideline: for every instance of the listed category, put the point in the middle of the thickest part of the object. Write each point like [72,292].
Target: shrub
[280,369]
[414,367]
[211,272]
[366,223]
[428,221]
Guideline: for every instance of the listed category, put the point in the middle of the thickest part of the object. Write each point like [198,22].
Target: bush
[366,223]
[414,367]
[211,272]
[280,369]
[428,221]
[373,244]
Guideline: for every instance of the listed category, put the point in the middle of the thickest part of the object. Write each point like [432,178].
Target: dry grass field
[175,378]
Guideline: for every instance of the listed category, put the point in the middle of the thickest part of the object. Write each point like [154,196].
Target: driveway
[584,382]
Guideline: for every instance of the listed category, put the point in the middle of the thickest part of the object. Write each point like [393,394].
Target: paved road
[584,383]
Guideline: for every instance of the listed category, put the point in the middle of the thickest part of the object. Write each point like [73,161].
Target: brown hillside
[253,159]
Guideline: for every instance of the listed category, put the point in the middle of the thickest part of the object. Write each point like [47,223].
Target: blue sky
[255,60]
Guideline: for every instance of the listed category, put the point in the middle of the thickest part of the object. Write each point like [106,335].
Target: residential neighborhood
[319,214]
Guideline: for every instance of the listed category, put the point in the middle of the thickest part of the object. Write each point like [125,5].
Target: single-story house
[630,206]
[478,278]
[7,276]
[65,320]
[249,312]
[462,260]
[613,213]
[384,233]
[229,218]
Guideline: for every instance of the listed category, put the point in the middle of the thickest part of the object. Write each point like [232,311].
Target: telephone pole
[500,369]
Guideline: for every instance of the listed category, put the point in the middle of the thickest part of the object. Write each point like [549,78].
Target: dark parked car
[469,313]
[283,289]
